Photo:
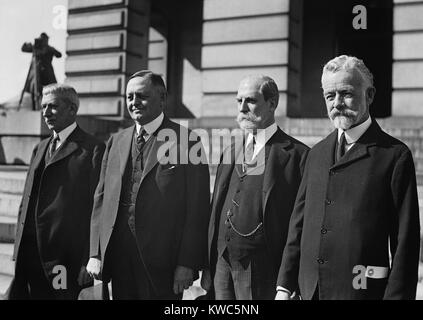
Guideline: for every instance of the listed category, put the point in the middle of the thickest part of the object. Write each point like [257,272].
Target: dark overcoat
[361,212]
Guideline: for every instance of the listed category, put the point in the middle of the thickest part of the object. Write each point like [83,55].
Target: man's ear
[74,109]
[273,104]
[163,98]
[370,95]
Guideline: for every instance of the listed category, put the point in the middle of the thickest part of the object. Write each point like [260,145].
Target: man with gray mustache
[253,198]
[354,232]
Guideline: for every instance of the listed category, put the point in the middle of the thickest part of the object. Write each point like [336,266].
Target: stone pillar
[107,41]
[20,131]
[407,96]
[242,37]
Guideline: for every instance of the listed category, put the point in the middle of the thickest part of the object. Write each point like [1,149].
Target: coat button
[320,261]
[323,231]
[328,202]
[331,172]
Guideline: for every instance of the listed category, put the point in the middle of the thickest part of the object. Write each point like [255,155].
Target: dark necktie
[141,140]
[53,144]
[341,147]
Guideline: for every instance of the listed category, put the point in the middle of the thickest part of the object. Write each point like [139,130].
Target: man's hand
[282,295]
[94,268]
[183,279]
[206,281]
[84,277]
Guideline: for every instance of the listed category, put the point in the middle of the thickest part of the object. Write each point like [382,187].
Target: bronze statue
[41,71]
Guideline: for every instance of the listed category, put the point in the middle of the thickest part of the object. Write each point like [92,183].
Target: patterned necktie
[341,147]
[53,145]
[141,140]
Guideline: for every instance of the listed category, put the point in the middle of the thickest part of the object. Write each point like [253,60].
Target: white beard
[342,122]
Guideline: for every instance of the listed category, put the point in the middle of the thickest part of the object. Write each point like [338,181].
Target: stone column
[242,37]
[407,96]
[107,41]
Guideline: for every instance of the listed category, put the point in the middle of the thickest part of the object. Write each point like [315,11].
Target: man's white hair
[345,62]
[63,91]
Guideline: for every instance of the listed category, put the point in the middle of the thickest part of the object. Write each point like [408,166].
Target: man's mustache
[344,112]
[243,116]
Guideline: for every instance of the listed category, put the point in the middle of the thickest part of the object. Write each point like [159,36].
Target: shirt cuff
[279,288]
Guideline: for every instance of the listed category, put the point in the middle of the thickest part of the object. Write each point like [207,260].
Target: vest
[132,179]
[242,212]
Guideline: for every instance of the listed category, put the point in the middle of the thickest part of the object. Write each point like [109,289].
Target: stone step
[9,204]
[7,229]
[5,280]
[7,266]
[12,181]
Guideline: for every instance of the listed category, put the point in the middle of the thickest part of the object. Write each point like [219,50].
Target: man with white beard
[356,206]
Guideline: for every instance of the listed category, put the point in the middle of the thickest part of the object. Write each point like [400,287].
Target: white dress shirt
[262,136]
[64,134]
[353,134]
[150,127]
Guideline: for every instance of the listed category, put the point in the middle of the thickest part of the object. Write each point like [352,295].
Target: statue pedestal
[20,131]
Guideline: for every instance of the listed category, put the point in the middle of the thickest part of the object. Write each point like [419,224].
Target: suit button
[324,231]
[320,261]
[228,238]
[331,172]
[328,202]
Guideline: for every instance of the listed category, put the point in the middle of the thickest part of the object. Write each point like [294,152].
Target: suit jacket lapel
[125,142]
[327,157]
[360,149]
[275,162]
[42,148]
[222,177]
[69,146]
[226,168]
[153,156]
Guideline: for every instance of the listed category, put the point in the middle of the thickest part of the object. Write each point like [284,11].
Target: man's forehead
[345,79]
[50,97]
[249,86]
[139,82]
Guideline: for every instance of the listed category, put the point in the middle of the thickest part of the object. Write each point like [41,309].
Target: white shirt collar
[150,127]
[262,136]
[353,134]
[65,133]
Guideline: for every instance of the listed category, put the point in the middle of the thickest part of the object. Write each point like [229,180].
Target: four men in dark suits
[150,217]
[52,240]
[253,198]
[354,232]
